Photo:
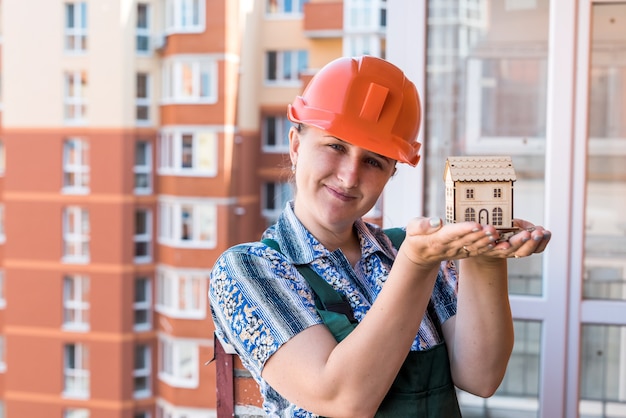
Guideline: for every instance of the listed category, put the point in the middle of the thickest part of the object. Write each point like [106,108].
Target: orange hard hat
[365,101]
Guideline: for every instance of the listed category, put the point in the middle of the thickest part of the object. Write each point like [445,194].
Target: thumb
[423,226]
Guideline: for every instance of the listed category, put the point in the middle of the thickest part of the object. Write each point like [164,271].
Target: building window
[190,80]
[75,104]
[76,382]
[3,364]
[184,15]
[285,6]
[75,234]
[142,304]
[143,236]
[178,362]
[143,28]
[2,155]
[142,99]
[2,227]
[275,134]
[469,193]
[76,303]
[187,223]
[497,193]
[76,413]
[470,215]
[274,197]
[75,166]
[143,414]
[496,217]
[143,167]
[3,300]
[142,371]
[285,67]
[192,153]
[181,293]
[76,27]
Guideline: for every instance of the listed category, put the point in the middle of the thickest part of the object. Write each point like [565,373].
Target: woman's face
[336,182]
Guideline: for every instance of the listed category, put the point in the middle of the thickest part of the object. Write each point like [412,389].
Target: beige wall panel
[31,67]
[274,31]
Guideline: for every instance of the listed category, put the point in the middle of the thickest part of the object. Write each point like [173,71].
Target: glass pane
[603,371]
[605,229]
[518,395]
[486,95]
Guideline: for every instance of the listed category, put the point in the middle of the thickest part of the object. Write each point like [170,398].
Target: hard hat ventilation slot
[374,102]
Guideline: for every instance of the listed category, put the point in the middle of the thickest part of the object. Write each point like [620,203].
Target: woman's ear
[294,145]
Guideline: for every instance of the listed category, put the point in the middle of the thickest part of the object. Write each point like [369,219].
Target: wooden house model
[480,189]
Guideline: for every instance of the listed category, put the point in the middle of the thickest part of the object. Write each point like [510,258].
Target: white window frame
[178,361]
[282,191]
[143,306]
[144,32]
[181,293]
[143,235]
[2,151]
[182,18]
[166,410]
[190,79]
[76,235]
[76,372]
[144,373]
[74,100]
[76,307]
[281,125]
[277,8]
[3,300]
[76,35]
[363,15]
[2,224]
[199,216]
[143,167]
[173,152]
[76,413]
[76,166]
[3,355]
[476,142]
[276,60]
[143,102]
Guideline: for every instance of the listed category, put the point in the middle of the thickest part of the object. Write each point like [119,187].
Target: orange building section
[323,16]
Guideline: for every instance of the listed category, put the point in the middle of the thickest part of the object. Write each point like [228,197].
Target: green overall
[423,386]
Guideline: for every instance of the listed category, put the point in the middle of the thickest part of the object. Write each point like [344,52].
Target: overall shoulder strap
[396,235]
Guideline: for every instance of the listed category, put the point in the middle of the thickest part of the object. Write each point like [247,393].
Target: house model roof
[480,168]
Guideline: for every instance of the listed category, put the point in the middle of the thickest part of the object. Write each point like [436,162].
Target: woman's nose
[348,172]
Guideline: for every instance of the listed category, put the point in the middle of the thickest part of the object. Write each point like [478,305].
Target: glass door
[600,178]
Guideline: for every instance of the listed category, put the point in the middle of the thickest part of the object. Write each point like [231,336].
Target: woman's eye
[374,162]
[337,147]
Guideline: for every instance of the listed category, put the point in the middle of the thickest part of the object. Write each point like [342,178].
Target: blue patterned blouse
[259,300]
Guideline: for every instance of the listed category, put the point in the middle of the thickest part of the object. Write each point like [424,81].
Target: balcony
[323,20]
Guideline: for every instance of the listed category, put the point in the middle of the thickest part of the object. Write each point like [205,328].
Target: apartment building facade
[123,166]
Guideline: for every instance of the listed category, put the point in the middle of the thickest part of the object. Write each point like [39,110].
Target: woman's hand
[429,242]
[529,239]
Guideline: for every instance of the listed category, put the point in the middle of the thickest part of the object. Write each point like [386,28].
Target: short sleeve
[258,302]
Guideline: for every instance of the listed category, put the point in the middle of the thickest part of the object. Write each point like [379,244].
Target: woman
[421,329]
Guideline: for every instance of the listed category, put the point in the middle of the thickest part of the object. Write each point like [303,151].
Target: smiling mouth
[339,194]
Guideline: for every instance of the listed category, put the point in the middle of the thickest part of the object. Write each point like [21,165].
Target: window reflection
[604,274]
[603,378]
[487,95]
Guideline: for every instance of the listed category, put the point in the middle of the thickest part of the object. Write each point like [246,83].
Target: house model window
[480,189]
